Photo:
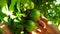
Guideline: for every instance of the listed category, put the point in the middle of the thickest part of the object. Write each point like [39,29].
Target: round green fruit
[34,14]
[30,25]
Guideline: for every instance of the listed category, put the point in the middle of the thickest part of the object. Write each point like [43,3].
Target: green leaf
[11,7]
[1,31]
[2,3]
[18,5]
[2,15]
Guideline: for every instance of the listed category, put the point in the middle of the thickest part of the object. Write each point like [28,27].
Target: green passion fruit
[34,14]
[30,25]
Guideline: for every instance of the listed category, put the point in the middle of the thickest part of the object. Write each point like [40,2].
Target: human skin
[5,29]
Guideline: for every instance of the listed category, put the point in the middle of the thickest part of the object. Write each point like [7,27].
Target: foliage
[18,11]
[1,31]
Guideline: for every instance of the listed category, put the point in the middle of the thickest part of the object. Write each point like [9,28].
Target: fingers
[44,19]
